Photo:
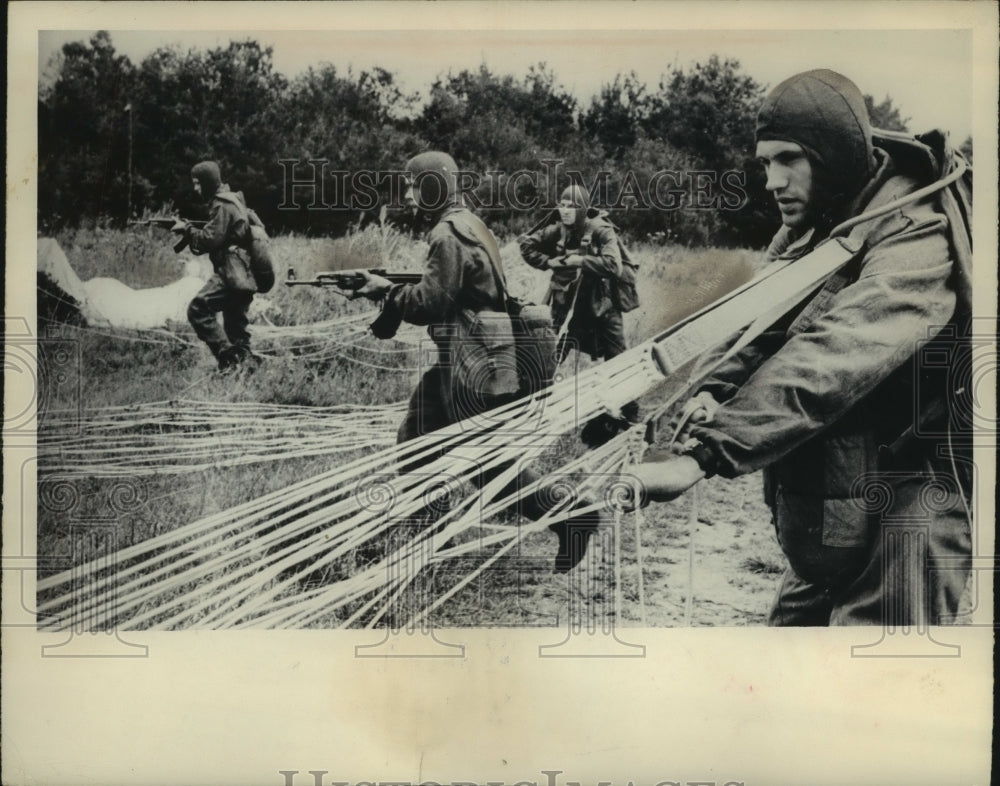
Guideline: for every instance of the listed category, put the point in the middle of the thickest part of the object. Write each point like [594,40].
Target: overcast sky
[928,73]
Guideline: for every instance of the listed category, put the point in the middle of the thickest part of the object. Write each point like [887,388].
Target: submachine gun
[349,280]
[166,222]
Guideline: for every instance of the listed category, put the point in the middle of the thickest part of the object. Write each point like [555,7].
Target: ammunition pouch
[235,270]
[483,359]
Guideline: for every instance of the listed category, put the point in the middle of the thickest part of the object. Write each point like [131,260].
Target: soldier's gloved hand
[374,288]
[699,409]
[180,227]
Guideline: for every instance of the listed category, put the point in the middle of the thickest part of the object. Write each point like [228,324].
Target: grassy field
[732,549]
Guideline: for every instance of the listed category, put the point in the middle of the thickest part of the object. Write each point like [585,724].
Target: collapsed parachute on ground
[64,297]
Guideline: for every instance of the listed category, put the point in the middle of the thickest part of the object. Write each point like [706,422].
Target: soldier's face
[196,186]
[409,198]
[567,212]
[790,180]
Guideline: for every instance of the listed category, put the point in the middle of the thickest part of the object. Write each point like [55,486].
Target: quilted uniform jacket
[822,399]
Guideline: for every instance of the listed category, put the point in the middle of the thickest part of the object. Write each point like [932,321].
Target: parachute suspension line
[512,536]
[634,455]
[185,436]
[617,452]
[211,572]
[564,328]
[692,525]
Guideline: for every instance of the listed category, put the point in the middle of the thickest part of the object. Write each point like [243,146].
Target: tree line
[118,139]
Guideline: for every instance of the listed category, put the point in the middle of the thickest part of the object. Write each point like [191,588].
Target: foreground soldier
[584,255]
[231,287]
[826,400]
[462,273]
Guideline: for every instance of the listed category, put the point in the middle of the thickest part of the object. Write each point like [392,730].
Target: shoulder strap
[235,199]
[601,221]
[471,228]
[953,187]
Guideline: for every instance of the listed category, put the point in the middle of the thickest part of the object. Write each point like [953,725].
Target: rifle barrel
[165,221]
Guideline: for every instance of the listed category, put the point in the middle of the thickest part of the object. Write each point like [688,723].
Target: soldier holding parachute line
[831,400]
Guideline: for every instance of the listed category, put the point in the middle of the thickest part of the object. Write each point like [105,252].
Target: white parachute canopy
[107,301]
[61,278]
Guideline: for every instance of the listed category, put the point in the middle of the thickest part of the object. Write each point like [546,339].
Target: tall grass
[675,281]
[142,257]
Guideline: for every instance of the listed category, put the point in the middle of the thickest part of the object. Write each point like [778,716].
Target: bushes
[315,154]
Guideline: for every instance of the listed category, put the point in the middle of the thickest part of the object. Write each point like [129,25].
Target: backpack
[256,243]
[930,157]
[534,345]
[624,294]
[532,332]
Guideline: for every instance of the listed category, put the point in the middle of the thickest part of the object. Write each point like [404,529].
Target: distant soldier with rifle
[231,288]
[592,284]
[463,281]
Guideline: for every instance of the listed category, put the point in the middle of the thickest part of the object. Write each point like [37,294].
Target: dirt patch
[732,573]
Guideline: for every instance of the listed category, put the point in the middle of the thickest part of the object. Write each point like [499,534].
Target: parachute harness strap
[920,193]
[692,525]
[636,450]
[564,328]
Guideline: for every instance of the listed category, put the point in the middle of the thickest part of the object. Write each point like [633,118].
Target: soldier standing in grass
[231,288]
[583,253]
[462,274]
[832,401]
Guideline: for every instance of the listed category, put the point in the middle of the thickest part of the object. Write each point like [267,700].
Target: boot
[605,427]
[229,360]
[573,533]
[574,536]
[237,358]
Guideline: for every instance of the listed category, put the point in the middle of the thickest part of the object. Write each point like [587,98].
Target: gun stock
[548,218]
